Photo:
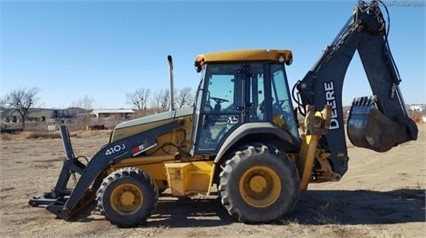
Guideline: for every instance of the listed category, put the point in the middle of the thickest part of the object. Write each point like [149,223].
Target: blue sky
[105,49]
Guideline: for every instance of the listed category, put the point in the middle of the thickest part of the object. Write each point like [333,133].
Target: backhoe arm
[379,122]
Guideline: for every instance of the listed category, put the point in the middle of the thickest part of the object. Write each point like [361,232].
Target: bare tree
[2,104]
[184,98]
[139,98]
[161,100]
[86,103]
[21,100]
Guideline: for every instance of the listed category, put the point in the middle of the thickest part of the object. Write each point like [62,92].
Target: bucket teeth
[364,101]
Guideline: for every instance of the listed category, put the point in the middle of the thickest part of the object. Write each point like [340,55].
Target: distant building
[418,108]
[120,114]
[36,114]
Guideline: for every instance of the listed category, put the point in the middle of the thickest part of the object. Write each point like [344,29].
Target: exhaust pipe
[172,100]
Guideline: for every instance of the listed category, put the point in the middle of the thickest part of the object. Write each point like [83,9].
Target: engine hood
[132,127]
[157,117]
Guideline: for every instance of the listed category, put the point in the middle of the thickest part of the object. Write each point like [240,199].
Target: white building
[418,108]
[116,113]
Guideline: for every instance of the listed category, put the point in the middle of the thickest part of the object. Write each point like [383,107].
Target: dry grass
[28,135]
[6,137]
[90,133]
[43,135]
[323,217]
[37,135]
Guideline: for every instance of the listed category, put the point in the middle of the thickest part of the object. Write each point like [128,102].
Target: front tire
[127,197]
[259,184]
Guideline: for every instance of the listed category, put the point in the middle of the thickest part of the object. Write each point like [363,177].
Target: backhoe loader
[242,137]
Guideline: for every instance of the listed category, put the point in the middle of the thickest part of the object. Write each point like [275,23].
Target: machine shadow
[189,212]
[360,207]
[315,207]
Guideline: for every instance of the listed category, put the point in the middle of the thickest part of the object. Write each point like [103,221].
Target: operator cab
[241,87]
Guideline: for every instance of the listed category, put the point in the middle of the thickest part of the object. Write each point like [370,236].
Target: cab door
[222,105]
[256,103]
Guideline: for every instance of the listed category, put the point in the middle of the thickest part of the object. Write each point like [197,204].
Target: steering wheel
[283,107]
[219,100]
[284,103]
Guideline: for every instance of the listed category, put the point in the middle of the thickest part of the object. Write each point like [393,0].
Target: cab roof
[244,55]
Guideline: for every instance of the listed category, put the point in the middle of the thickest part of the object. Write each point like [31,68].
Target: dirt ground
[382,195]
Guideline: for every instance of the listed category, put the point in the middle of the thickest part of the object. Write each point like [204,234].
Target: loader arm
[65,203]
[379,122]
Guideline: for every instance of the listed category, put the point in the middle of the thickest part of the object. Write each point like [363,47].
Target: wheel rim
[126,199]
[260,186]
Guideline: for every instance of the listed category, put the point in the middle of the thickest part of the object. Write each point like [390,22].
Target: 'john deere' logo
[330,99]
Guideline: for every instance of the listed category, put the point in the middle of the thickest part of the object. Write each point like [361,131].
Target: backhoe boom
[378,123]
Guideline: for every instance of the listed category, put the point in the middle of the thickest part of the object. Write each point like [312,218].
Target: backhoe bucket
[367,127]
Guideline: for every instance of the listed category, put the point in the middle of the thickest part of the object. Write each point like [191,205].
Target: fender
[259,129]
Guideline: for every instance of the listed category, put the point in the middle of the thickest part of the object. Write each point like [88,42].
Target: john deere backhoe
[242,135]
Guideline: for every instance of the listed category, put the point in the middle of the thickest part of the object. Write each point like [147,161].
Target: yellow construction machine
[242,136]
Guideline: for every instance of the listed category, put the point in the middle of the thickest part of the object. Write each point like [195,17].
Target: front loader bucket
[367,127]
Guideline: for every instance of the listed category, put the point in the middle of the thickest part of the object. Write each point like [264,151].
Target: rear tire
[259,184]
[127,197]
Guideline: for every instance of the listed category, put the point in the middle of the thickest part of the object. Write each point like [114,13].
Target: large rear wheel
[127,197]
[259,184]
